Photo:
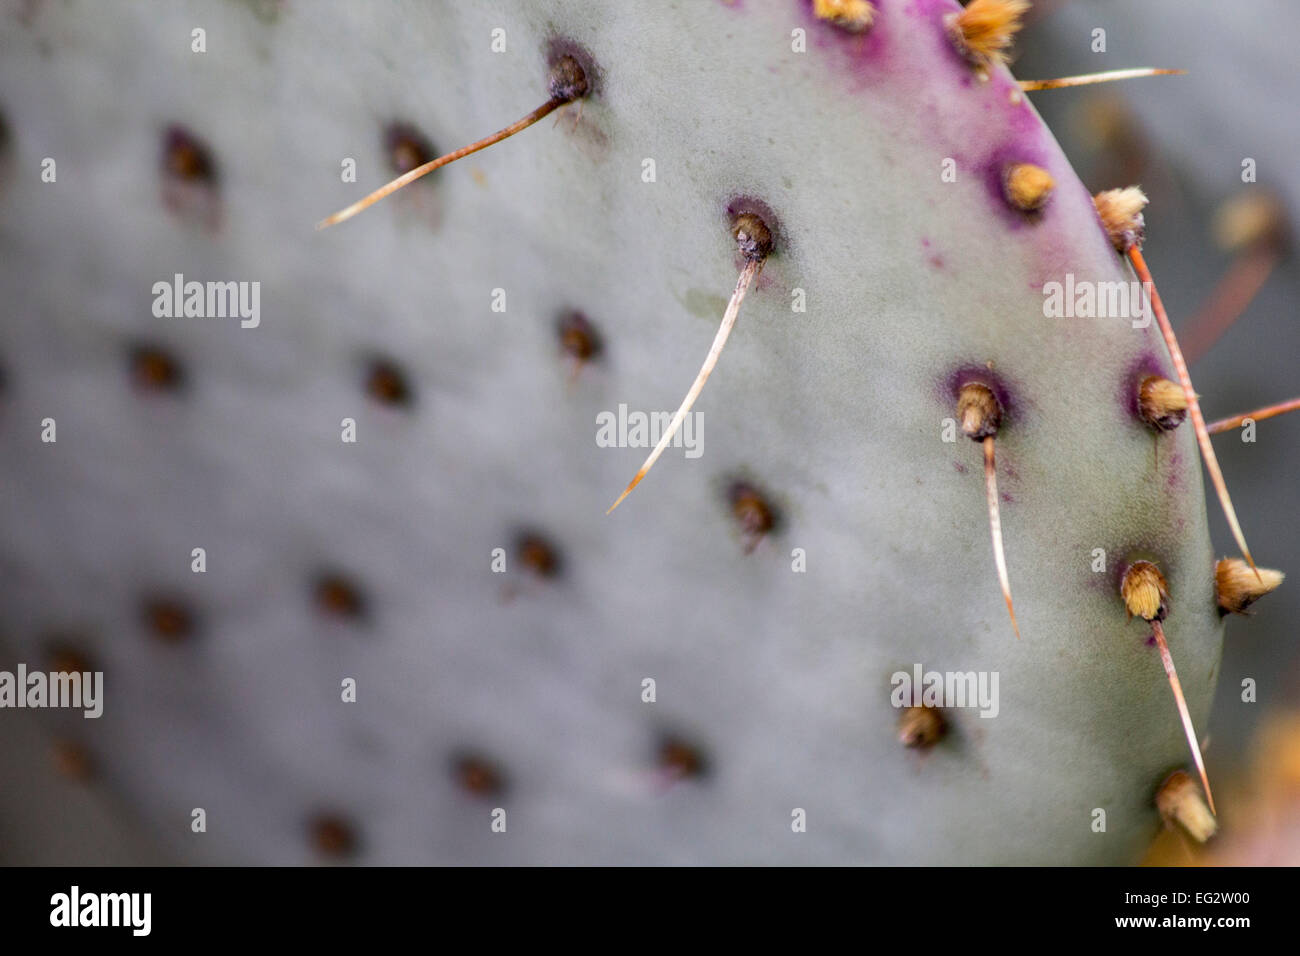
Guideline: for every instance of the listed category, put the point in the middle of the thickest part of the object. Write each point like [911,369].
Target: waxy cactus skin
[774,679]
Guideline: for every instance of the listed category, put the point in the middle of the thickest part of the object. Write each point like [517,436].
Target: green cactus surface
[878,161]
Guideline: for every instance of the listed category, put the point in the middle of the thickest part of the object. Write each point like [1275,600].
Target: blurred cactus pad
[674,682]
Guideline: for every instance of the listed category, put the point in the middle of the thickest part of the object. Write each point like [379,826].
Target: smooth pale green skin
[783,678]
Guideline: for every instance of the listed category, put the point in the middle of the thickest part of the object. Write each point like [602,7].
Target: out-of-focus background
[1183,139]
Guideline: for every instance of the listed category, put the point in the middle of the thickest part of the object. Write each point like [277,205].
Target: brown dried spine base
[332,836]
[752,512]
[168,620]
[1146,595]
[679,759]
[752,236]
[477,776]
[153,369]
[978,411]
[1161,403]
[566,82]
[921,727]
[1121,216]
[407,147]
[1237,587]
[980,417]
[1144,592]
[338,597]
[387,385]
[578,337]
[190,182]
[538,556]
[1179,800]
[754,240]
[186,158]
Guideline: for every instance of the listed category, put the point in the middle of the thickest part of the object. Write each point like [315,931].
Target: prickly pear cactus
[901,270]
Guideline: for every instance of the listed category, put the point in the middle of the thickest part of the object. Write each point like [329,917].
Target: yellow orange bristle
[1236,586]
[1121,215]
[1162,404]
[1027,187]
[983,31]
[1145,593]
[856,16]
